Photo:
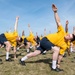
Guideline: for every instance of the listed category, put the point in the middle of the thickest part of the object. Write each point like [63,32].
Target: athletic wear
[56,39]
[45,44]
[11,37]
[2,39]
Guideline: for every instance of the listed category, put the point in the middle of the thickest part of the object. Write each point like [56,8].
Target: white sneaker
[18,49]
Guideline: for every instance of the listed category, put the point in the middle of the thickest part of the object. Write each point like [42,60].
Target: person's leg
[8,46]
[32,54]
[55,56]
[28,46]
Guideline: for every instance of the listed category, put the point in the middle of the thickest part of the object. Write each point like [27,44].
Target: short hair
[73,37]
[20,40]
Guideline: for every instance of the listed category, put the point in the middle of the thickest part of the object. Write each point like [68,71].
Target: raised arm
[23,33]
[45,32]
[74,30]
[16,23]
[36,34]
[57,19]
[66,27]
[29,28]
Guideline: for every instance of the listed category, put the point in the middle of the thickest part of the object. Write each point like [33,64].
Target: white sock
[54,64]
[24,58]
[7,55]
[31,46]
[44,51]
[27,50]
[71,49]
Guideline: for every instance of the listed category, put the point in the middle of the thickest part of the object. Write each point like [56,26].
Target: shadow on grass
[46,61]
[40,61]
[2,55]
[12,55]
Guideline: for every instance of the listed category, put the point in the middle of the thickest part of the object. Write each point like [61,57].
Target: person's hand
[54,8]
[58,65]
[67,22]
[17,17]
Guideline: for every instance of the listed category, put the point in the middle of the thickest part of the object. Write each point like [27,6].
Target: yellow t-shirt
[30,38]
[58,39]
[11,37]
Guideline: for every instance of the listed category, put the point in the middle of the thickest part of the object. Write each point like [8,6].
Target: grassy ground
[39,65]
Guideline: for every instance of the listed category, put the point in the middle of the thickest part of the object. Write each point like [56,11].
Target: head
[35,38]
[19,39]
[70,37]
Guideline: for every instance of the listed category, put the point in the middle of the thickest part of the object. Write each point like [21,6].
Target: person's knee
[37,52]
[56,49]
[8,44]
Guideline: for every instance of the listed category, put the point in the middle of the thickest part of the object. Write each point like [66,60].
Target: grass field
[39,65]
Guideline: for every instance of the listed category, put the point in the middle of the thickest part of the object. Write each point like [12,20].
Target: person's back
[11,36]
[57,38]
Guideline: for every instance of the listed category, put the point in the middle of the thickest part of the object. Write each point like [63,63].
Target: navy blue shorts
[25,41]
[2,39]
[45,44]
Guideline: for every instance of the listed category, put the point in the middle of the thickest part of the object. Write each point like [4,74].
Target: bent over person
[10,39]
[57,42]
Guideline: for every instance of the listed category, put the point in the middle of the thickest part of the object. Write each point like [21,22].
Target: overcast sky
[37,13]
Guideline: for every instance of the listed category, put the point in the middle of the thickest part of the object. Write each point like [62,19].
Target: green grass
[40,65]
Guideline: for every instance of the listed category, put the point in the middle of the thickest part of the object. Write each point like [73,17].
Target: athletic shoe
[43,53]
[65,55]
[57,69]
[9,60]
[22,62]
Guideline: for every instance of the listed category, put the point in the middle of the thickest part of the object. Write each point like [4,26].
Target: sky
[37,13]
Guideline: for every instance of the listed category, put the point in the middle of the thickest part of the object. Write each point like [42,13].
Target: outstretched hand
[54,8]
[17,17]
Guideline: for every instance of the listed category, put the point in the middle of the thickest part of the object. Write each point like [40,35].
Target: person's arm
[15,52]
[36,34]
[15,29]
[74,30]
[59,60]
[29,28]
[68,50]
[45,32]
[16,24]
[23,33]
[57,19]
[22,45]
[66,27]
